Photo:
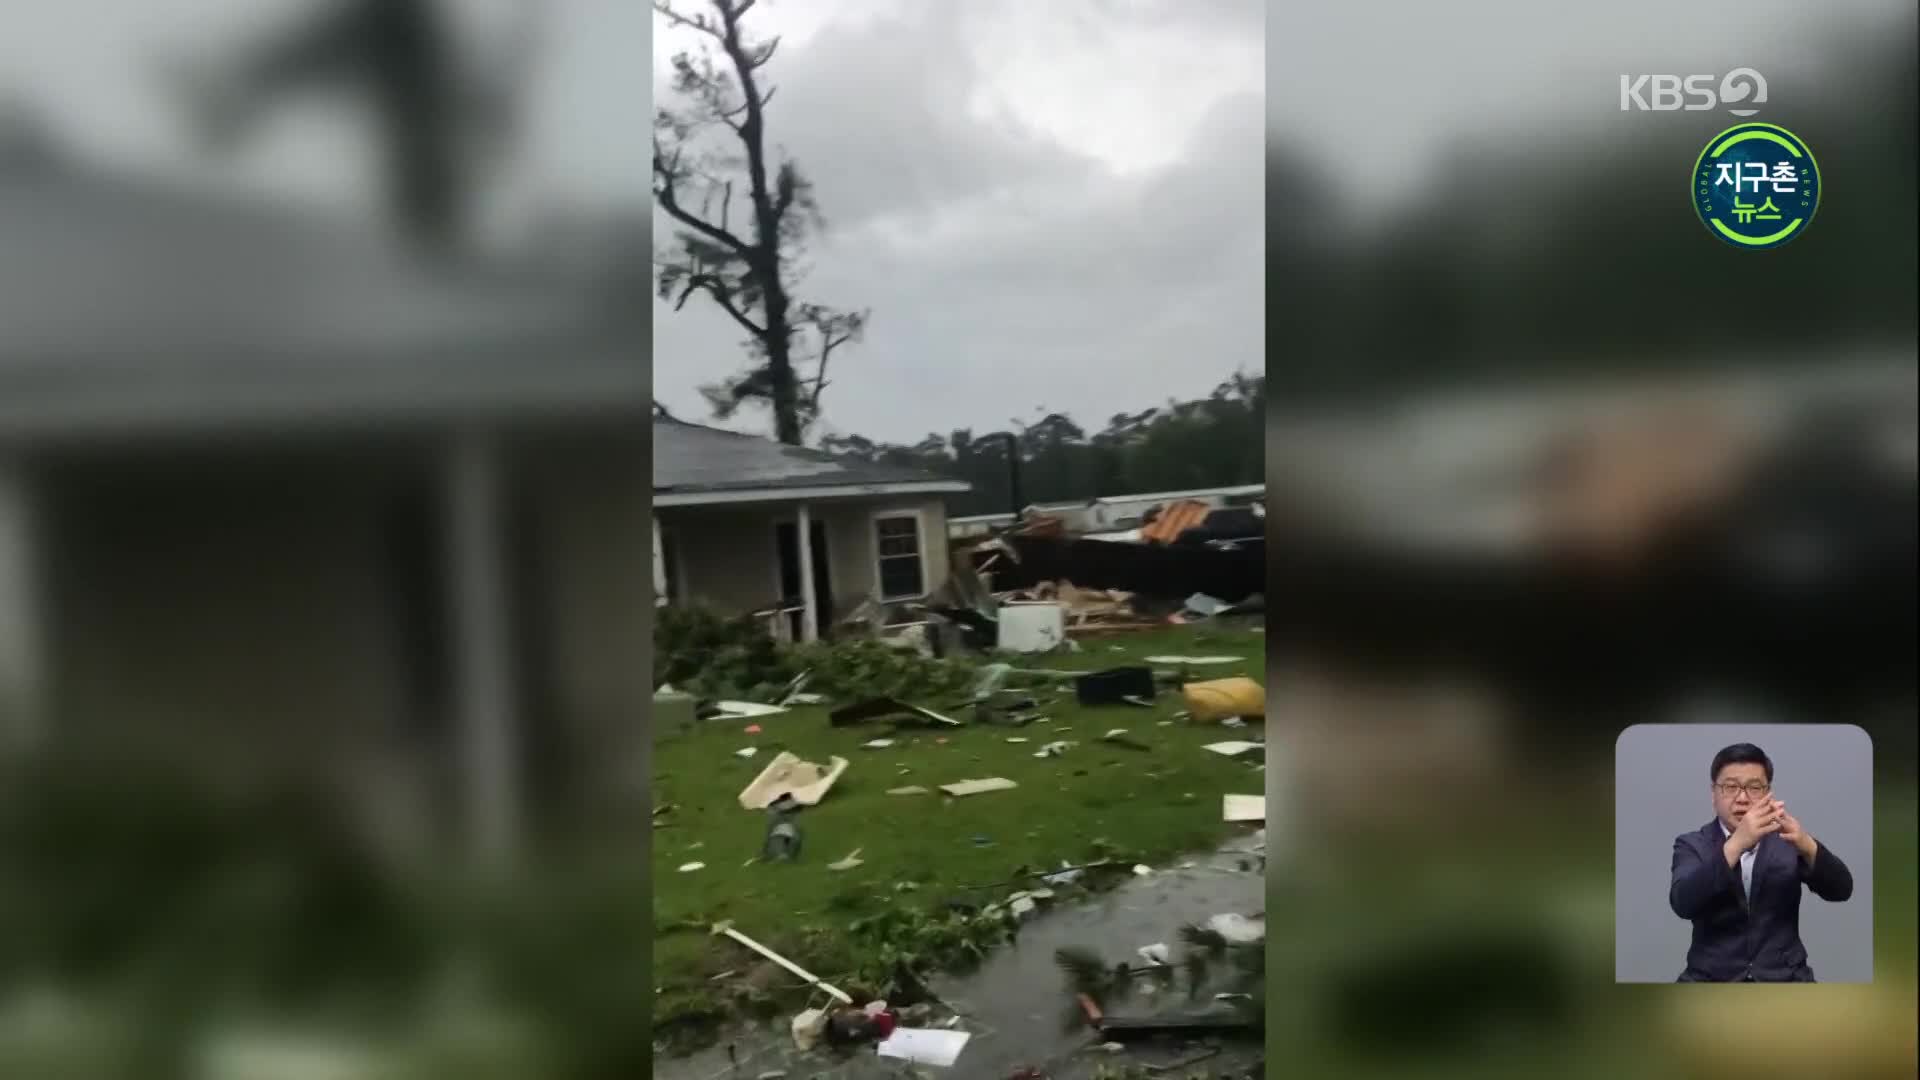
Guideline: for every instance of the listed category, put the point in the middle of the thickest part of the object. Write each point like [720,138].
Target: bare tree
[711,157]
[436,119]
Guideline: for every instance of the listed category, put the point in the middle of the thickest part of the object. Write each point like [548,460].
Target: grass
[920,851]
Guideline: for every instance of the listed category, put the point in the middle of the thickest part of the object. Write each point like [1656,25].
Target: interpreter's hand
[1793,833]
[1762,819]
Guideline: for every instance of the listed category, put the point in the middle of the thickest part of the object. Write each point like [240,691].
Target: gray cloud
[1007,270]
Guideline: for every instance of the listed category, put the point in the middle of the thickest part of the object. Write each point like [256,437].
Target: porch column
[810,617]
[659,567]
[22,655]
[482,647]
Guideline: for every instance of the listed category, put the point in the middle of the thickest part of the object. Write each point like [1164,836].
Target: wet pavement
[1017,1005]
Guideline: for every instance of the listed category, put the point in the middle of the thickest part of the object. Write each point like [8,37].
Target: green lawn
[1152,804]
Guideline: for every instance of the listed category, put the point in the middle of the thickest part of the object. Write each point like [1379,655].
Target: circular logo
[1756,186]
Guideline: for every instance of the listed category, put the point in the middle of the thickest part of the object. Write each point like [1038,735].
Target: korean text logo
[1756,186]
[1694,93]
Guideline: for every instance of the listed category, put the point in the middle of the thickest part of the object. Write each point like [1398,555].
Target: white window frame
[919,517]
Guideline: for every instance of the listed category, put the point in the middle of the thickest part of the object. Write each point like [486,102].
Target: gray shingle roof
[128,302]
[691,459]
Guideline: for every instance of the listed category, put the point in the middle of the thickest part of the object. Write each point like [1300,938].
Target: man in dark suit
[1738,878]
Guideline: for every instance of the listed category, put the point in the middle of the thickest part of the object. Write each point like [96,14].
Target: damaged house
[745,525]
[279,501]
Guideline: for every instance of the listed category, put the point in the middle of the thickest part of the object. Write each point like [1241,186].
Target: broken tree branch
[713,286]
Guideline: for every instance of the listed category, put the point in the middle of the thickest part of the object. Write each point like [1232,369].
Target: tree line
[1215,441]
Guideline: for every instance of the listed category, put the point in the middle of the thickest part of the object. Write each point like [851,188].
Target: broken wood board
[1243,807]
[746,709]
[812,980]
[1235,748]
[1190,660]
[978,787]
[908,791]
[808,782]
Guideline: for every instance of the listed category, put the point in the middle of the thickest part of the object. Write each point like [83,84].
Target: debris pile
[1223,964]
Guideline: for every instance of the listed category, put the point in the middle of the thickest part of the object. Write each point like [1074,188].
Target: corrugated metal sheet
[1174,519]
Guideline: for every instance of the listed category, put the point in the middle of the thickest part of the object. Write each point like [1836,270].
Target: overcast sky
[97,69]
[1048,206]
[1376,93]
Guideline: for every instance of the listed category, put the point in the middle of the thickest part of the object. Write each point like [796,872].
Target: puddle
[1017,1005]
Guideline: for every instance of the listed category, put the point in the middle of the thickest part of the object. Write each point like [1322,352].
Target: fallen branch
[812,979]
[1044,874]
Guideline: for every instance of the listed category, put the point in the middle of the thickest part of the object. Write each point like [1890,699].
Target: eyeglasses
[1755,788]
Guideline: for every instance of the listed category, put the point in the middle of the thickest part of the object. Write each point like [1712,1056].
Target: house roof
[133,304]
[694,464]
[1175,518]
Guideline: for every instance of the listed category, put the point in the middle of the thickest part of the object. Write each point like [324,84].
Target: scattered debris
[1195,660]
[772,1074]
[746,752]
[877,744]
[909,791]
[744,709]
[1233,722]
[1243,807]
[1235,748]
[1114,686]
[1184,1063]
[978,787]
[1122,737]
[809,1028]
[1053,749]
[848,863]
[1030,627]
[1114,1028]
[1238,929]
[1021,906]
[1016,739]
[783,840]
[1143,870]
[806,781]
[992,678]
[1158,954]
[753,729]
[1205,606]
[925,1046]
[793,694]
[688,868]
[812,980]
[1219,699]
[883,708]
[806,699]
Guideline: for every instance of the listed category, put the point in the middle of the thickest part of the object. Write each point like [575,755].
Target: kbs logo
[1694,93]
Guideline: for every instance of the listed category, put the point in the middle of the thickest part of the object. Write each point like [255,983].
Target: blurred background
[1545,460]
[323,357]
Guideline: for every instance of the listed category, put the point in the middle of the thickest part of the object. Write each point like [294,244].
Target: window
[897,545]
